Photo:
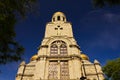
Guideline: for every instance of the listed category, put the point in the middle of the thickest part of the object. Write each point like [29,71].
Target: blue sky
[97,31]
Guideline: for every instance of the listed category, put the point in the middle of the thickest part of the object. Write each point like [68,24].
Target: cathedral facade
[59,57]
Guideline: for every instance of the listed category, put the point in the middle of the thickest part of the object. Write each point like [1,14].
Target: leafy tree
[102,3]
[112,69]
[116,75]
[10,49]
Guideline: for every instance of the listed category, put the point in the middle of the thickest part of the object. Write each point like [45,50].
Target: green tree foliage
[102,3]
[10,49]
[112,69]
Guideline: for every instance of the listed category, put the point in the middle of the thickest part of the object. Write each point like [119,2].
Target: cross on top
[58,28]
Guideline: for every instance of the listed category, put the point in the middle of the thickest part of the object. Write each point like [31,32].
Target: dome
[59,16]
[84,57]
[58,13]
[34,57]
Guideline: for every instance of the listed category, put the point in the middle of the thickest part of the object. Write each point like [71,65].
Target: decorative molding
[73,45]
[30,75]
[43,46]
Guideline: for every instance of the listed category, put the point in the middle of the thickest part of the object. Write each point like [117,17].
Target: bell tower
[58,26]
[59,49]
[59,57]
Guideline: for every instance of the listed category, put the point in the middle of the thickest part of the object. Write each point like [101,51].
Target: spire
[22,63]
[96,61]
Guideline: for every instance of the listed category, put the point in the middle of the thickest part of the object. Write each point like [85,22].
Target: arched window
[58,47]
[53,19]
[54,49]
[63,19]
[63,49]
[58,18]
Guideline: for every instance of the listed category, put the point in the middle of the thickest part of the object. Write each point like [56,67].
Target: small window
[53,19]
[58,18]
[63,19]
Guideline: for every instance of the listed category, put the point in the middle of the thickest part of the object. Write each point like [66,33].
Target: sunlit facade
[59,57]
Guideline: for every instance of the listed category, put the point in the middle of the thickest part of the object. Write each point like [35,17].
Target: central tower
[59,52]
[59,57]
